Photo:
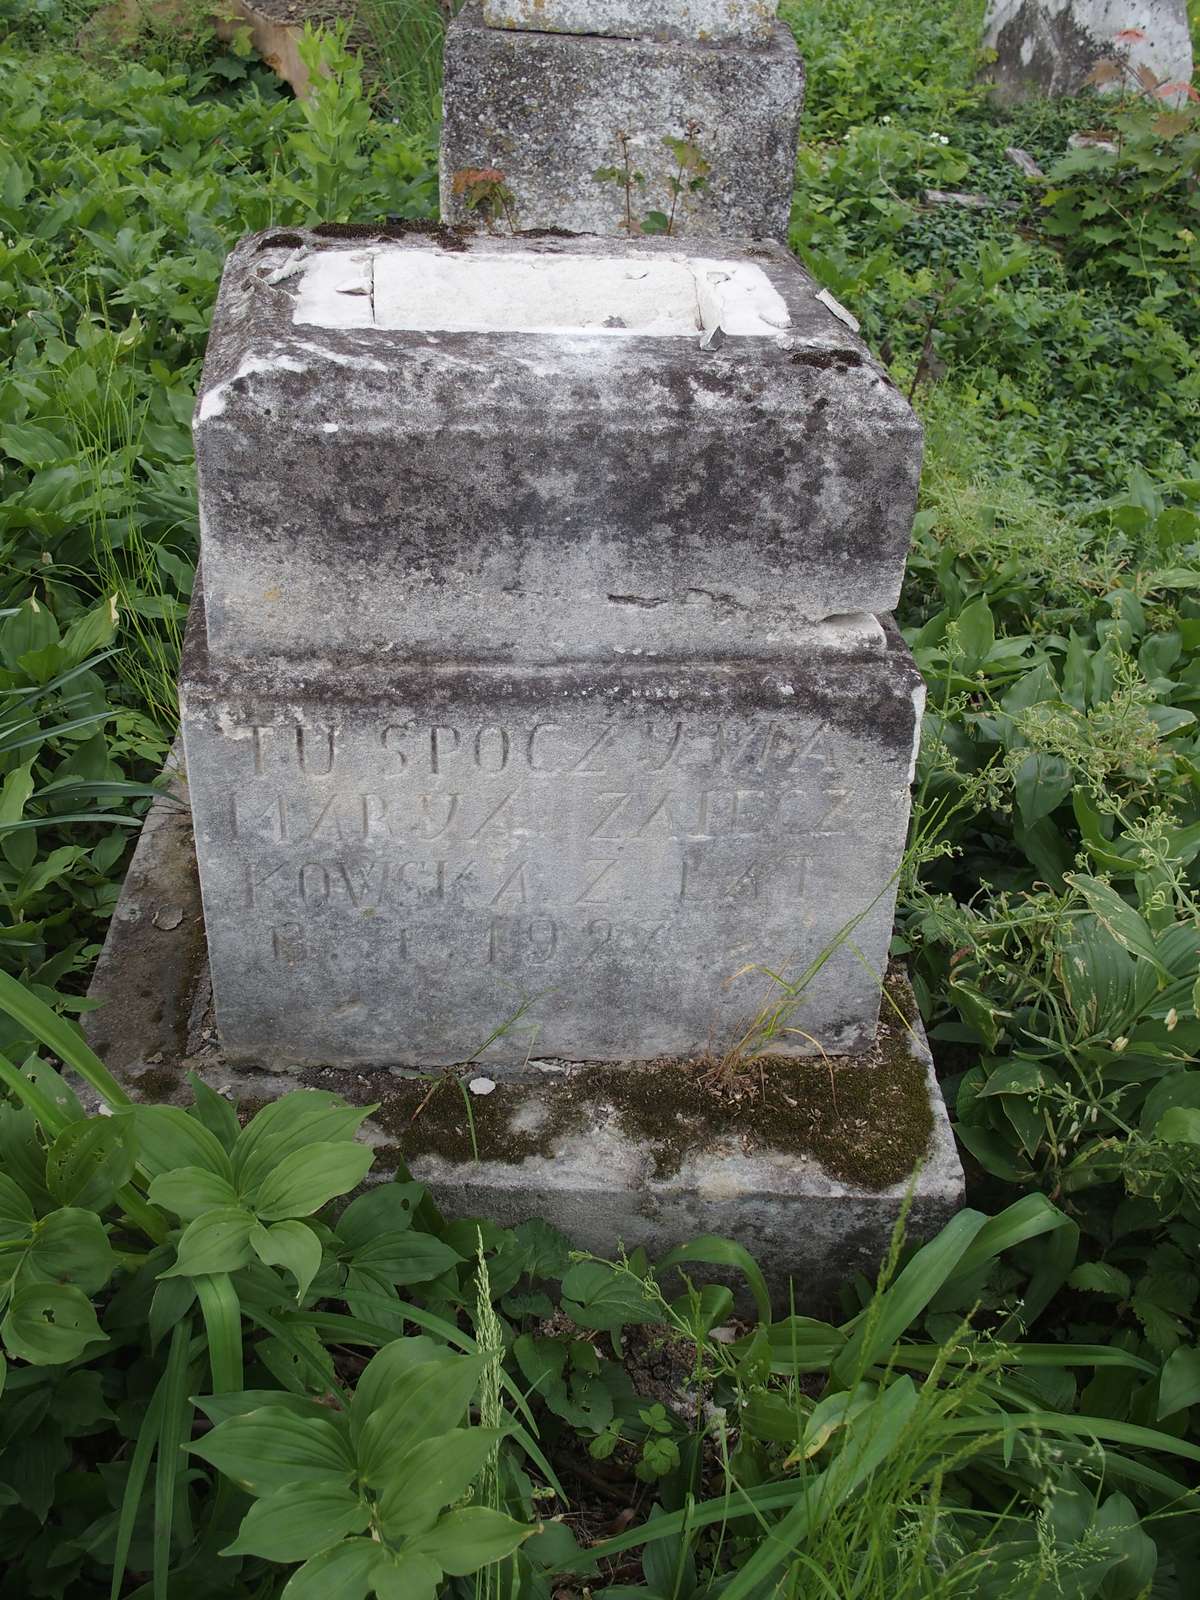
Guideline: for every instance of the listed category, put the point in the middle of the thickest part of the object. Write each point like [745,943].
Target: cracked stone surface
[549,487]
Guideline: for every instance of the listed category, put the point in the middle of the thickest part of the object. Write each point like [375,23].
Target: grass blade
[714,1251]
[135,1483]
[223,1323]
[175,1429]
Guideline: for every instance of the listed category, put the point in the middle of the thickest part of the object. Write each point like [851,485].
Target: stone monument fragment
[1051,47]
[550,106]
[515,678]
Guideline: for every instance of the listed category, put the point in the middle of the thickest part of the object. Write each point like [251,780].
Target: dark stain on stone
[826,360]
[450,238]
[281,241]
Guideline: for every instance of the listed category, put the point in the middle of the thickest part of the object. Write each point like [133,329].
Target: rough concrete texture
[395,862]
[592,493]
[546,108]
[1049,47]
[631,19]
[155,1024]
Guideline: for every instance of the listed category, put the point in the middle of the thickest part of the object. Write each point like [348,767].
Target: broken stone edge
[809,1230]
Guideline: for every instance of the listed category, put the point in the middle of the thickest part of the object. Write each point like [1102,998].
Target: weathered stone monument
[552,94]
[542,711]
[1051,47]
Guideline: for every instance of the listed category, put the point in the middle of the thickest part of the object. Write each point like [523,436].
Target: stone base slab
[545,108]
[602,1184]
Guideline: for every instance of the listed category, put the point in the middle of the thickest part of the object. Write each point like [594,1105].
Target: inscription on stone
[599,857]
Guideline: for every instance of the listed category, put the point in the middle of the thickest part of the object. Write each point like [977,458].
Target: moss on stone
[866,1119]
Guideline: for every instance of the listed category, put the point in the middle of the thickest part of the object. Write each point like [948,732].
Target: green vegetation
[1015,1409]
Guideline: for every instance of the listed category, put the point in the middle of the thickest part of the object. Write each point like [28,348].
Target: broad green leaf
[1179,1125]
[405,1575]
[1179,1382]
[386,1367]
[218,1241]
[431,1476]
[275,1448]
[342,1572]
[406,1258]
[305,1117]
[49,1323]
[304,1181]
[976,633]
[217,1114]
[384,1211]
[422,1402]
[69,1246]
[463,1541]
[291,1245]
[88,1162]
[168,1138]
[191,1191]
[1122,921]
[300,1521]
[16,1212]
[1041,783]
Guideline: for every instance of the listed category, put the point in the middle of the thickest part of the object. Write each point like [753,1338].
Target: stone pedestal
[539,675]
[545,108]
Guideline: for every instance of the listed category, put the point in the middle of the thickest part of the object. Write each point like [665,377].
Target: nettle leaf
[69,1246]
[168,1138]
[304,1181]
[191,1191]
[463,1541]
[1100,1278]
[300,1521]
[16,1213]
[596,1295]
[431,1476]
[418,1406]
[278,1447]
[218,1241]
[343,1571]
[49,1323]
[290,1245]
[89,1162]
[306,1117]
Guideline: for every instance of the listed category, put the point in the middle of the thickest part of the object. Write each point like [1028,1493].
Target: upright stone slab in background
[546,108]
[430,785]
[629,19]
[1049,47]
[518,449]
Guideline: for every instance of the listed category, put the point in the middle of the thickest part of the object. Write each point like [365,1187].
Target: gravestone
[528,670]
[550,96]
[1050,47]
[540,701]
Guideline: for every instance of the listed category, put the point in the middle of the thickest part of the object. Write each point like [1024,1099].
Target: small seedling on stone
[485,191]
[690,177]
